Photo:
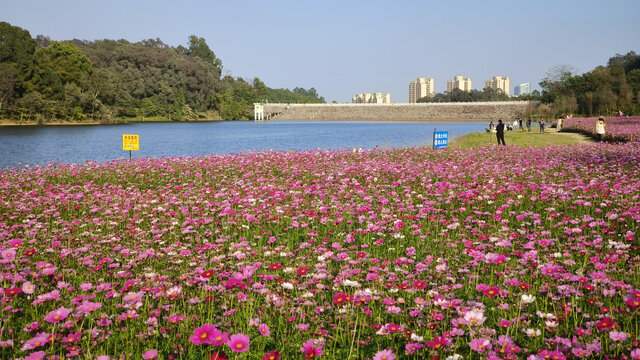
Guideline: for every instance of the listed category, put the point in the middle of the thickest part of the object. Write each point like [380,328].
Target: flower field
[488,253]
[617,128]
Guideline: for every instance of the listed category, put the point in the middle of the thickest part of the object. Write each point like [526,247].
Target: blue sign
[440,139]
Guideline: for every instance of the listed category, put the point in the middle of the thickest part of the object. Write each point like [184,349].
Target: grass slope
[521,138]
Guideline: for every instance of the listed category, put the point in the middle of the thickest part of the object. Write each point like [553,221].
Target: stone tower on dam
[420,112]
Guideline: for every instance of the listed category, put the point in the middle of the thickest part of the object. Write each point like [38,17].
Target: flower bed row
[625,128]
[408,254]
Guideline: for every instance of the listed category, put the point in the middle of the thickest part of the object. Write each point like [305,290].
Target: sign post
[130,142]
[440,139]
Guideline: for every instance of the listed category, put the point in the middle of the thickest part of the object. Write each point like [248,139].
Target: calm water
[21,146]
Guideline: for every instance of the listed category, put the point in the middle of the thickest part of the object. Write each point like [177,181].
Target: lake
[42,145]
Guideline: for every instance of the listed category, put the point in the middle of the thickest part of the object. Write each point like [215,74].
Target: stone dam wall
[420,112]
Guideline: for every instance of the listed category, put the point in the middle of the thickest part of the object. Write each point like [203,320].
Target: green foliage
[8,79]
[198,47]
[56,66]
[457,95]
[16,46]
[46,80]
[601,91]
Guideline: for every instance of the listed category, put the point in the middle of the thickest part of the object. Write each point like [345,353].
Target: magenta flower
[88,307]
[57,315]
[219,338]
[36,342]
[618,335]
[8,255]
[480,345]
[203,335]
[238,342]
[264,329]
[28,287]
[311,350]
[38,355]
[386,354]
[151,354]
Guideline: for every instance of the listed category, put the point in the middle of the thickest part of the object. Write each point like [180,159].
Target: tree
[630,61]
[556,82]
[58,64]
[198,47]
[8,79]
[16,46]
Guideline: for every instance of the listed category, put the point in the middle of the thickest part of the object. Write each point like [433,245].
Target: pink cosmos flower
[38,355]
[57,315]
[8,255]
[310,350]
[203,335]
[151,354]
[264,329]
[28,287]
[480,345]
[386,354]
[88,307]
[36,342]
[412,348]
[635,354]
[618,335]
[219,338]
[474,317]
[238,342]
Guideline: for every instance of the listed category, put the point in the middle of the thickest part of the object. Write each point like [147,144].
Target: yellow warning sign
[130,142]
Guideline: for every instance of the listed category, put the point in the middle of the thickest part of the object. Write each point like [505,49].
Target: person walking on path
[600,128]
[542,124]
[500,132]
[559,125]
[529,124]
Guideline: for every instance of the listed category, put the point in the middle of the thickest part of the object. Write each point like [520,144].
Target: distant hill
[110,80]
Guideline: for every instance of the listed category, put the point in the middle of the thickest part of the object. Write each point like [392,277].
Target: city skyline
[339,48]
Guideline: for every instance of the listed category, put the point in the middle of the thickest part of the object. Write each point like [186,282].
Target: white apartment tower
[522,89]
[420,88]
[501,83]
[375,98]
[459,82]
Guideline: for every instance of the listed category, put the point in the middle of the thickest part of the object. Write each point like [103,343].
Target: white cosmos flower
[350,283]
[527,298]
[287,285]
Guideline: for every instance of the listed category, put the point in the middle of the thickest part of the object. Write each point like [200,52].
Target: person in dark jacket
[500,132]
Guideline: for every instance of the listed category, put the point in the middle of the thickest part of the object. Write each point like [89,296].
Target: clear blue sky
[342,47]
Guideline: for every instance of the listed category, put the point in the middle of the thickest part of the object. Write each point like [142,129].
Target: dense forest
[111,80]
[605,90]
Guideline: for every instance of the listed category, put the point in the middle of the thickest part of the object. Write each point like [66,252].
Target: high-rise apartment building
[420,88]
[459,82]
[499,83]
[522,89]
[375,98]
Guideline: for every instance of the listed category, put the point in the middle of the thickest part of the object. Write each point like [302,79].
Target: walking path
[578,138]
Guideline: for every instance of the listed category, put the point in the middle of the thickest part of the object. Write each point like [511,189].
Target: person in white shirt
[600,128]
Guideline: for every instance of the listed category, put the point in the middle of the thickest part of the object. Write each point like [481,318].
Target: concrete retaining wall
[421,112]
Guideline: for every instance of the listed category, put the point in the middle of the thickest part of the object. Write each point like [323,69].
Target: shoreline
[8,123]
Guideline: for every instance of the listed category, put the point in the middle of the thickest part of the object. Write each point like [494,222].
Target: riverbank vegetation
[603,91]
[115,80]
